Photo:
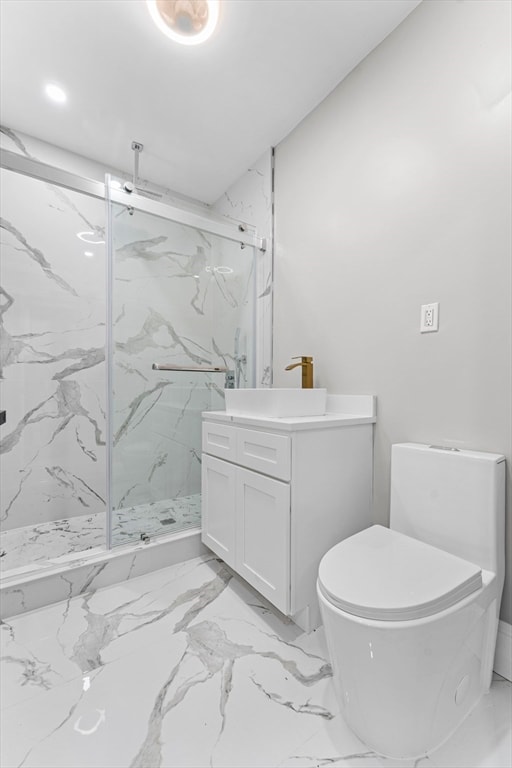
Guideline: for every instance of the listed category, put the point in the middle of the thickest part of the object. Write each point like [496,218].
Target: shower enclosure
[102,441]
[182,308]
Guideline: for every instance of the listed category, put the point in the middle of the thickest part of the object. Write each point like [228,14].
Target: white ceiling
[204,113]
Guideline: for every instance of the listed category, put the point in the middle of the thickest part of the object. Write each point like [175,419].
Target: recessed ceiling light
[188,22]
[55,93]
[89,254]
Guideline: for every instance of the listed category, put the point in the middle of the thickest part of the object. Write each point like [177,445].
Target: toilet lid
[383,574]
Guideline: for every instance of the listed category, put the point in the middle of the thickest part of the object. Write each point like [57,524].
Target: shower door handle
[200,369]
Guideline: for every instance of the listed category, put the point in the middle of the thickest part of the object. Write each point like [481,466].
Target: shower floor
[24,546]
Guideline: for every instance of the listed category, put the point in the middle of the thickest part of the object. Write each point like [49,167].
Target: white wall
[394,192]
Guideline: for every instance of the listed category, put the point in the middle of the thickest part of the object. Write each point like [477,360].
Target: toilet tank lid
[385,575]
[492,458]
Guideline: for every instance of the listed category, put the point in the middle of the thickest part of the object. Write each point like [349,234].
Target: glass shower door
[183,301]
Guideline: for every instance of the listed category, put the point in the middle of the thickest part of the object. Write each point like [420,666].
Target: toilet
[411,611]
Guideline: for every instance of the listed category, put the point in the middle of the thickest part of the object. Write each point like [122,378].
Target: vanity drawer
[264,452]
[220,440]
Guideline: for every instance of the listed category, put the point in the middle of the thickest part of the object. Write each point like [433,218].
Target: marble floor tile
[188,666]
[334,744]
[28,671]
[26,547]
[484,740]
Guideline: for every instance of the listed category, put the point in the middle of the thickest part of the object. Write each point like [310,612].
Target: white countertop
[343,410]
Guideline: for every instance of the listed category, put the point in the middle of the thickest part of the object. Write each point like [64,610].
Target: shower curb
[86,573]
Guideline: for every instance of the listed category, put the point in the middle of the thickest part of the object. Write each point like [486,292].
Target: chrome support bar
[12,161]
[27,166]
[201,369]
[164,210]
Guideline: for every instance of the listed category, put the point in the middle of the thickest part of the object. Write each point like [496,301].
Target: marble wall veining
[181,297]
[53,326]
[250,199]
[53,354]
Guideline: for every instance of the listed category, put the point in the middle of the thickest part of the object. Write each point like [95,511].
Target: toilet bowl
[411,611]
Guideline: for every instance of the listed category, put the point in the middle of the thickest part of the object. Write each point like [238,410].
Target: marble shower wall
[52,314]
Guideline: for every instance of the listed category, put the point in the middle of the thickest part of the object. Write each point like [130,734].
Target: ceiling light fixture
[188,22]
[55,93]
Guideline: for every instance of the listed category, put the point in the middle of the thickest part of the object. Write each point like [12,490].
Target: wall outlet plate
[429,317]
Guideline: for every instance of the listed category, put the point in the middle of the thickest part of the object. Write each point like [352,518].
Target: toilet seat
[385,575]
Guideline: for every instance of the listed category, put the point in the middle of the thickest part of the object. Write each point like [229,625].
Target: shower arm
[130,187]
[137,149]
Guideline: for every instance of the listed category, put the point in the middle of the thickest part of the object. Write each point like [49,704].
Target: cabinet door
[218,507]
[263,535]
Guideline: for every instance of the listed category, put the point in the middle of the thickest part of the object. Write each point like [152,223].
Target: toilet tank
[452,499]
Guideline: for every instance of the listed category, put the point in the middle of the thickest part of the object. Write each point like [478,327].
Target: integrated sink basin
[278,402]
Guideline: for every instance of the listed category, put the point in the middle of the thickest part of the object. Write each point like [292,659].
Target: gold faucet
[306,364]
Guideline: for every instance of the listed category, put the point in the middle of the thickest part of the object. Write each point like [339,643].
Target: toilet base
[404,687]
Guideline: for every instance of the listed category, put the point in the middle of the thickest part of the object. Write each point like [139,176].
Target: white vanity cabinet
[278,493]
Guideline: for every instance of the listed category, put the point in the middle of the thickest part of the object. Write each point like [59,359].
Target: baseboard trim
[503,655]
